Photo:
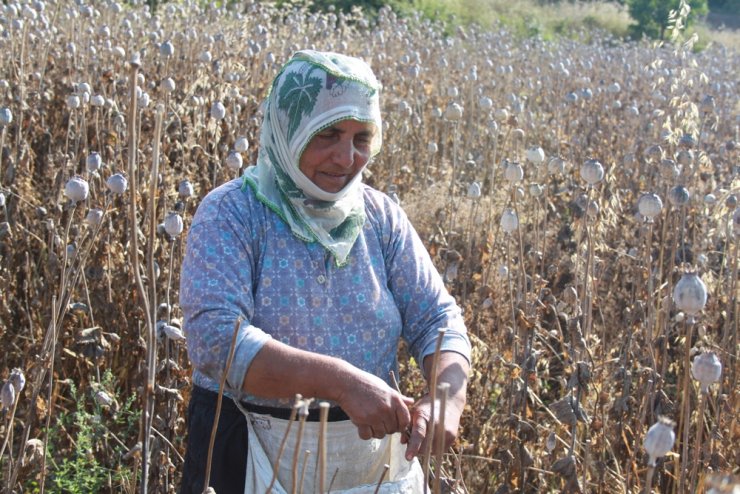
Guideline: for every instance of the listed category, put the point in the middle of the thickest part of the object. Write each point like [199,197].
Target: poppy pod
[185,189]
[650,205]
[94,217]
[218,111]
[659,440]
[514,172]
[536,155]
[93,162]
[690,294]
[509,220]
[7,395]
[6,116]
[592,172]
[241,145]
[173,224]
[117,183]
[678,196]
[76,189]
[707,369]
[234,160]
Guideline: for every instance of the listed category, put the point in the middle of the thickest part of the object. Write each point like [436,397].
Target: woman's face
[336,154]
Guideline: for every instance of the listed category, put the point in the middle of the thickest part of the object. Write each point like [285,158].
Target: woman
[326,273]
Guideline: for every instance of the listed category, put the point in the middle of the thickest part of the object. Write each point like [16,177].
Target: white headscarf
[312,92]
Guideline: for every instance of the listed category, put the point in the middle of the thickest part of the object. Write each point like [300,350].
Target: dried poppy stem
[649,479]
[395,381]
[153,182]
[306,454]
[293,413]
[2,146]
[432,396]
[386,467]
[686,409]
[443,390]
[650,305]
[148,412]
[587,276]
[522,295]
[323,419]
[49,398]
[302,414]
[333,478]
[9,432]
[58,311]
[699,430]
[221,386]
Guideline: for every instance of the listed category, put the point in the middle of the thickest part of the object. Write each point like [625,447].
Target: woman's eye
[327,134]
[363,140]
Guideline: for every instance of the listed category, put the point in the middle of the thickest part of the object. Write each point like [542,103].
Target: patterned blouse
[243,260]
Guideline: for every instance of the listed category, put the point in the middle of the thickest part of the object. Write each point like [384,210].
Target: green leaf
[297,97]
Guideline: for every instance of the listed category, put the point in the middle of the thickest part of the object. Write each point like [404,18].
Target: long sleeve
[422,299]
[216,288]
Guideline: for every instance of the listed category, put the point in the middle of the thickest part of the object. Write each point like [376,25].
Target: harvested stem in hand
[386,467]
[443,390]
[293,412]
[221,386]
[323,419]
[306,454]
[433,397]
[302,414]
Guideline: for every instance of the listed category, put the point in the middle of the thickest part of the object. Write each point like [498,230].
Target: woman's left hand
[453,369]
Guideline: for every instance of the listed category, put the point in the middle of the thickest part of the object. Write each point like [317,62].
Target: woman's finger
[378,432]
[365,432]
[416,440]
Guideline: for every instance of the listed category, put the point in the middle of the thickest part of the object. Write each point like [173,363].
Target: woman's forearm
[281,371]
[453,369]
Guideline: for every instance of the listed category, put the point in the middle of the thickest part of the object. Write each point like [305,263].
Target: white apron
[358,463]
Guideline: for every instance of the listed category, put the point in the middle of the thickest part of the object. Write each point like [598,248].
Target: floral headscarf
[312,92]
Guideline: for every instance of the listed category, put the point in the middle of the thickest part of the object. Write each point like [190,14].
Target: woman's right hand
[281,371]
[373,406]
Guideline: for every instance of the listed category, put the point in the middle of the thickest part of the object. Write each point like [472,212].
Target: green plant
[82,434]
[654,17]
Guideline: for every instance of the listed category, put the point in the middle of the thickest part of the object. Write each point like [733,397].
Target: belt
[336,414]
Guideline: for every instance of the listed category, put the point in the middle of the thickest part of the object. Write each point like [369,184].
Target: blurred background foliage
[713,20]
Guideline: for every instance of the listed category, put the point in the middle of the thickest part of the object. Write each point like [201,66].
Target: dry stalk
[323,418]
[386,467]
[333,478]
[443,389]
[148,406]
[699,430]
[221,387]
[281,449]
[9,432]
[649,479]
[432,396]
[685,419]
[302,414]
[49,397]
[587,295]
[2,146]
[306,454]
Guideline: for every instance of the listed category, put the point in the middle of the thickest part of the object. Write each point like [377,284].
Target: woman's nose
[344,153]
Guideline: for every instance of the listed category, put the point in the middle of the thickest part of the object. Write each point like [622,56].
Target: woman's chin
[331,184]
